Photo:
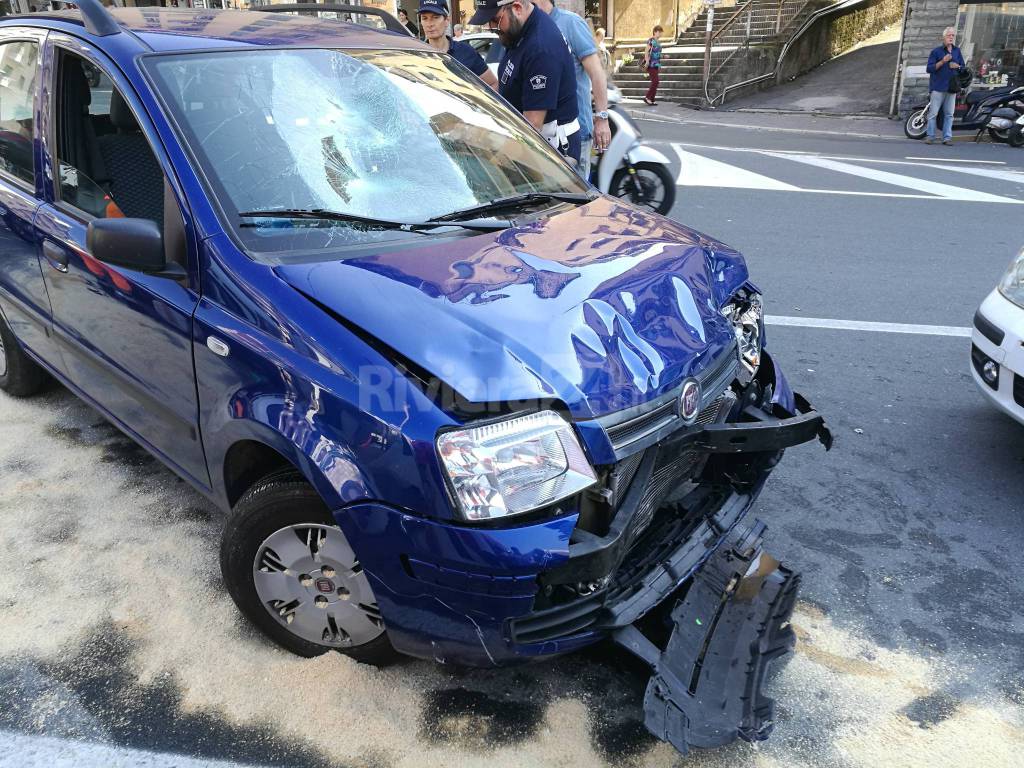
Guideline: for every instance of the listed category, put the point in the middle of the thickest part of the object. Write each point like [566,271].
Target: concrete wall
[634,19]
[923,31]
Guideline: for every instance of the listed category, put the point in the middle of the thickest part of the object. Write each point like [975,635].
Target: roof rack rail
[96,17]
[391,24]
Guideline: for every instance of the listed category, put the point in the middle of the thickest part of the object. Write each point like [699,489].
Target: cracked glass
[399,136]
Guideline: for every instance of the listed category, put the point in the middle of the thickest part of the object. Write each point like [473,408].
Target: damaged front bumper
[707,678]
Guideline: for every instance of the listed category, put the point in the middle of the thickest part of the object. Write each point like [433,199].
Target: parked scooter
[1016,138]
[631,169]
[994,110]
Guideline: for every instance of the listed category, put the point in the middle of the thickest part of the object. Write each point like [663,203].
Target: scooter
[995,110]
[631,169]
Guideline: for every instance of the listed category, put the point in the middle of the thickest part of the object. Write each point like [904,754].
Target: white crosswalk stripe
[700,171]
[697,169]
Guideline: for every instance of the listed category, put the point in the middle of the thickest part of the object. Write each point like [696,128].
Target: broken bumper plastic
[706,686]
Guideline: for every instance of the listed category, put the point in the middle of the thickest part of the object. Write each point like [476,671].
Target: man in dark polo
[536,74]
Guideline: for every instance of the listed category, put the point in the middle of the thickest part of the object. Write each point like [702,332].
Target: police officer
[434,23]
[536,74]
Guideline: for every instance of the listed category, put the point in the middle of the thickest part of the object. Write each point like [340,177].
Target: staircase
[682,65]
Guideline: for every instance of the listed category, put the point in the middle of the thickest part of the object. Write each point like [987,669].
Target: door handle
[57,256]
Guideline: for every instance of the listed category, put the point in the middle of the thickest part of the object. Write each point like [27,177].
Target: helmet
[965,76]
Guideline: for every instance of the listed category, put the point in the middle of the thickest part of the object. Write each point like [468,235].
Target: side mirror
[133,243]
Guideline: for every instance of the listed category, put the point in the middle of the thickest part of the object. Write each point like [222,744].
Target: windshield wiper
[366,221]
[513,201]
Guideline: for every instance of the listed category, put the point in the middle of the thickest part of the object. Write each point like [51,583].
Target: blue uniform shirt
[938,79]
[537,73]
[464,54]
[581,44]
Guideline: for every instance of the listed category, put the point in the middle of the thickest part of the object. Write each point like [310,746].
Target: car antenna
[97,18]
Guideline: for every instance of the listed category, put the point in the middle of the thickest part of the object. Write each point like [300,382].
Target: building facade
[990,35]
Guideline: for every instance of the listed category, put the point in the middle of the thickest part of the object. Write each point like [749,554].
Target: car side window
[106,167]
[19,74]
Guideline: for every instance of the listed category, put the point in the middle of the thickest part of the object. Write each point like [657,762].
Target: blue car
[455,403]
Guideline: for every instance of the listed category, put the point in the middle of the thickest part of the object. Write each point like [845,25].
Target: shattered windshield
[396,136]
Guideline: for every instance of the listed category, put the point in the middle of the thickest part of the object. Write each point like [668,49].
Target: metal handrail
[732,19]
[808,22]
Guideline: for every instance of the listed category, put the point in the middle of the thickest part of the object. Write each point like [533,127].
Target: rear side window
[18,77]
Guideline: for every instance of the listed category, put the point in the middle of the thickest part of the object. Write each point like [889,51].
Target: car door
[23,298]
[125,336]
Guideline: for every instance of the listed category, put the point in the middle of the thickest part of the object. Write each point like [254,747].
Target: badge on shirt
[539,82]
[507,72]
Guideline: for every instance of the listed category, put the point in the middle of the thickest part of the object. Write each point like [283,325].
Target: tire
[916,125]
[1001,136]
[657,187]
[20,375]
[1016,136]
[326,603]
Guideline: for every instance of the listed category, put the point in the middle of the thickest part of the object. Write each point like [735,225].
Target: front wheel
[916,125]
[1016,136]
[19,374]
[292,573]
[651,187]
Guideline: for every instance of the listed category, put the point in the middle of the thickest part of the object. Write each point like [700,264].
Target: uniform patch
[539,82]
[507,72]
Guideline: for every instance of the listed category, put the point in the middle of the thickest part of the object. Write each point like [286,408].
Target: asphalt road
[115,634]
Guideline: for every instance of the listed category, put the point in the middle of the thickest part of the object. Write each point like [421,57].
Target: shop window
[991,36]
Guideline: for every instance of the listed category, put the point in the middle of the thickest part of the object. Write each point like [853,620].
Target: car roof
[182,29]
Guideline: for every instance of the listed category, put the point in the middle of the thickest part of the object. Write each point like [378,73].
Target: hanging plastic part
[705,690]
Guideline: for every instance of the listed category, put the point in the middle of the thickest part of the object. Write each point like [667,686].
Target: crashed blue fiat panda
[456,403]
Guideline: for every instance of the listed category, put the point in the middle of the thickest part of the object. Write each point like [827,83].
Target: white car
[491,51]
[997,351]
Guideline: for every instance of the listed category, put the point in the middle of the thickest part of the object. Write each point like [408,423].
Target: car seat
[134,177]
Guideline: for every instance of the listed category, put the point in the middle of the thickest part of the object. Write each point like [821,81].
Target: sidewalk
[856,126]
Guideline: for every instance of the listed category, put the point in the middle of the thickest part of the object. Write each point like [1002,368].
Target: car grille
[630,429]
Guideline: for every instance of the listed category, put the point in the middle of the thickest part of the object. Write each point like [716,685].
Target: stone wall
[922,31]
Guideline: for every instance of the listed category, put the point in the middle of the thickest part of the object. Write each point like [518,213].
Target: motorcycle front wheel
[916,125]
[652,187]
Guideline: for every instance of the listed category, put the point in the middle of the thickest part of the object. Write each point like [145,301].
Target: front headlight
[1012,284]
[514,466]
[745,311]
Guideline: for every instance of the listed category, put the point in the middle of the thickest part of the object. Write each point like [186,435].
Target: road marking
[931,187]
[1015,177]
[638,115]
[867,325]
[952,160]
[699,171]
[932,162]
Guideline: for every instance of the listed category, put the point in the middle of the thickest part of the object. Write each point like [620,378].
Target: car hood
[602,307]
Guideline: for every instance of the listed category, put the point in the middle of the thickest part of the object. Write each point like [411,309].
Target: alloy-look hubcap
[309,579]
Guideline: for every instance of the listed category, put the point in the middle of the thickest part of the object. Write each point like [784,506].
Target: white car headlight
[1012,284]
[514,466]
[745,311]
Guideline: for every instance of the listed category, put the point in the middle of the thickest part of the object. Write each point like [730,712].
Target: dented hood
[603,307]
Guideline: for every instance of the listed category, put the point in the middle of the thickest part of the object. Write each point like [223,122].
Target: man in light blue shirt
[594,130]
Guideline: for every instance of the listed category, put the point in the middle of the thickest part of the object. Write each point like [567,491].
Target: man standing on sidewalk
[943,63]
[593,116]
[536,72]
